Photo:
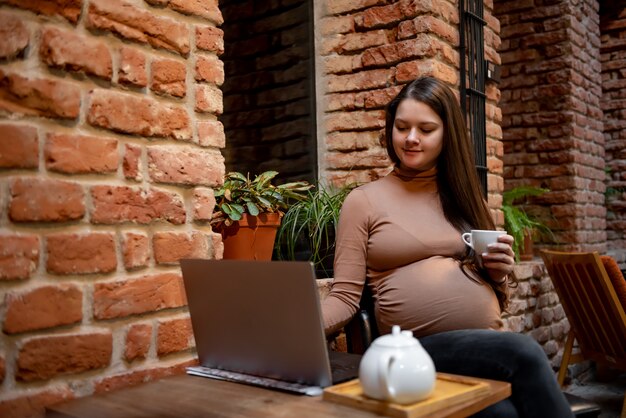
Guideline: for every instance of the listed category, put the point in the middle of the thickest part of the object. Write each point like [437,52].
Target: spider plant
[308,229]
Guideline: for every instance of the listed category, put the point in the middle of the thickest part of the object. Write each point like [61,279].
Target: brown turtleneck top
[393,236]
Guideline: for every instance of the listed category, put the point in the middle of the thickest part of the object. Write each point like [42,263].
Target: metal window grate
[472,87]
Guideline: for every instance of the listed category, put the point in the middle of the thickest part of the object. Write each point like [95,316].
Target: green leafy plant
[240,194]
[517,222]
[310,226]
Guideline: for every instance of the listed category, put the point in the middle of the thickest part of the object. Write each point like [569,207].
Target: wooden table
[192,396]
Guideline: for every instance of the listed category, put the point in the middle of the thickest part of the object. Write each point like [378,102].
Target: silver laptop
[259,322]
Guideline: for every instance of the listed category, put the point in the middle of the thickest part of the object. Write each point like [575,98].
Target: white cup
[479,239]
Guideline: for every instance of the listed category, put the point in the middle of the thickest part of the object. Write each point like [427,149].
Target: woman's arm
[350,262]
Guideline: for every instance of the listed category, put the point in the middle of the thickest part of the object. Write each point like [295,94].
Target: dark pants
[506,356]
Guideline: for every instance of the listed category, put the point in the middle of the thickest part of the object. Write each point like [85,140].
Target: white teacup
[479,239]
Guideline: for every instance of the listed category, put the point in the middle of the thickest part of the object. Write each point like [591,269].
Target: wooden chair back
[595,313]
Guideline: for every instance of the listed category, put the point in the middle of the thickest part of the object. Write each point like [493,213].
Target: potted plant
[248,212]
[520,225]
[309,227]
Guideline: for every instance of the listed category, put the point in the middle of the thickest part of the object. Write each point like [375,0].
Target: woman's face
[417,135]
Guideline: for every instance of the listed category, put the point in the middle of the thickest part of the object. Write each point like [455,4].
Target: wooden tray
[449,390]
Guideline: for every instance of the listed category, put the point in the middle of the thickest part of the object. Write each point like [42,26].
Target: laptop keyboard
[265,382]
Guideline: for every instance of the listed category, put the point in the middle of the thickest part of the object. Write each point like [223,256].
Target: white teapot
[397,368]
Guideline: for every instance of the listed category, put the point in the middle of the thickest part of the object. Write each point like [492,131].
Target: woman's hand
[499,258]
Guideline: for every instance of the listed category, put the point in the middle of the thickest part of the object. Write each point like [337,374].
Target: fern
[516,221]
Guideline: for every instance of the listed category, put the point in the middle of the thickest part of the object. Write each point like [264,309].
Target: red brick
[376,17]
[81,254]
[352,42]
[203,204]
[210,38]
[131,297]
[397,11]
[74,52]
[39,96]
[33,403]
[138,24]
[41,358]
[379,98]
[178,165]
[168,77]
[352,141]
[429,25]
[132,114]
[14,36]
[209,68]
[362,80]
[349,161]
[174,335]
[19,147]
[113,205]
[209,99]
[132,161]
[420,47]
[19,256]
[337,24]
[210,134]
[348,121]
[136,250]
[136,377]
[69,9]
[42,307]
[132,67]
[342,63]
[138,340]
[169,247]
[43,200]
[74,154]
[409,71]
[207,9]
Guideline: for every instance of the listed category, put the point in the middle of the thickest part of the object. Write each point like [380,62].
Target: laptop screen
[258,317]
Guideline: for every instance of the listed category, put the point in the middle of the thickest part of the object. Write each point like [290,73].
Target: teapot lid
[396,339]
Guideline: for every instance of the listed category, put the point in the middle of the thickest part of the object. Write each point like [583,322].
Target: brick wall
[552,121]
[367,51]
[268,112]
[109,150]
[613,57]
[535,310]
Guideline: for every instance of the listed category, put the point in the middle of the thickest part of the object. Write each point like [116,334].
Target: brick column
[109,150]
[613,48]
[552,121]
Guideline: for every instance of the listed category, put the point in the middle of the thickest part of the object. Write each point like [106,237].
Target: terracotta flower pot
[251,238]
[527,252]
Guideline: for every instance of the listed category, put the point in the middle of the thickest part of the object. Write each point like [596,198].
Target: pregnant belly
[433,295]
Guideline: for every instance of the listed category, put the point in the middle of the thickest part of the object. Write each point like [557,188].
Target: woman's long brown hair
[457,180]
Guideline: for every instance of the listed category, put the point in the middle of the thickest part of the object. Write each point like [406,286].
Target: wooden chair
[592,306]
